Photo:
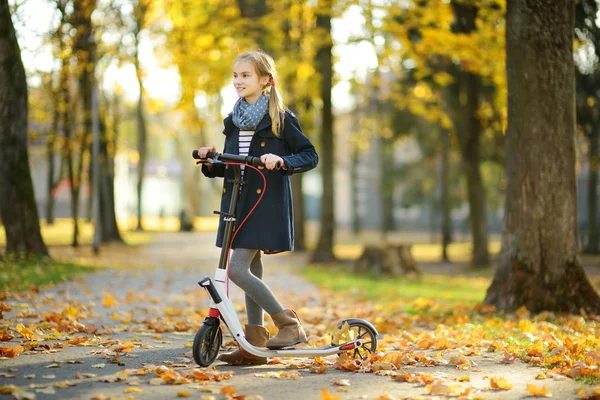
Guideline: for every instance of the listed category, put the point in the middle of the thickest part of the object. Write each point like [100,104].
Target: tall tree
[465,105]
[445,205]
[588,113]
[539,266]
[253,13]
[110,229]
[82,48]
[59,103]
[141,8]
[324,249]
[17,200]
[442,41]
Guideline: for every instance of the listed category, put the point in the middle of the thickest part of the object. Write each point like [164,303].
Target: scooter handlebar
[254,161]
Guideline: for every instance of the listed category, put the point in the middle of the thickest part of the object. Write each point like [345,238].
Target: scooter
[361,337]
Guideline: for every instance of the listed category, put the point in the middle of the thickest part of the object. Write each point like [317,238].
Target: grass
[423,252]
[435,287]
[21,274]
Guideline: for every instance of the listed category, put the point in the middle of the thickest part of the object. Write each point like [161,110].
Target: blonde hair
[265,66]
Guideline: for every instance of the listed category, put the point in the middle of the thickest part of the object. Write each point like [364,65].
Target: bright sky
[163,83]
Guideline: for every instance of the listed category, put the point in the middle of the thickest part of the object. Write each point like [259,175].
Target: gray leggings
[246,271]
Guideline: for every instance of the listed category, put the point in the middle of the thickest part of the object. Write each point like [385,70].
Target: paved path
[159,289]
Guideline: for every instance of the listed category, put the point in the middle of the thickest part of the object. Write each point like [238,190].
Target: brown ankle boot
[257,336]
[290,331]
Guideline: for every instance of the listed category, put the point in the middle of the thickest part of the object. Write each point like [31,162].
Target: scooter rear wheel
[207,343]
[364,331]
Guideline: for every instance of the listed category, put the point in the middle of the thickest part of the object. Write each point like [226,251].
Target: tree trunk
[17,198]
[82,22]
[324,250]
[445,205]
[110,229]
[142,136]
[67,118]
[253,11]
[354,187]
[539,266]
[50,143]
[108,149]
[388,180]
[469,132]
[592,246]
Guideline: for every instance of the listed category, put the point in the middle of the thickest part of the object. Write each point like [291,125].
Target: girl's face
[246,81]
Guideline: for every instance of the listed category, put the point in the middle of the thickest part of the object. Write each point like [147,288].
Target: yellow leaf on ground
[537,391]
[500,383]
[453,389]
[343,335]
[10,352]
[325,395]
[132,389]
[109,301]
[25,332]
[184,393]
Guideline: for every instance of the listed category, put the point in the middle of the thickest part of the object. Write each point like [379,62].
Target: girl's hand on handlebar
[203,151]
[271,160]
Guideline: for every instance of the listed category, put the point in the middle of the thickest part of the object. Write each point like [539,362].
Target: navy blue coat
[271,225]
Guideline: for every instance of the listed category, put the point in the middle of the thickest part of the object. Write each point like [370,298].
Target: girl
[260,126]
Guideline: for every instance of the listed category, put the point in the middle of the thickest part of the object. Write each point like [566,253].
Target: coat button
[227,167]
[262,144]
[258,191]
[224,190]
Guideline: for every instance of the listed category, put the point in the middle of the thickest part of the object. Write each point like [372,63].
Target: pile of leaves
[416,333]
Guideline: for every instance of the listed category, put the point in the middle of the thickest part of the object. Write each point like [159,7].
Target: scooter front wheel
[207,343]
[364,331]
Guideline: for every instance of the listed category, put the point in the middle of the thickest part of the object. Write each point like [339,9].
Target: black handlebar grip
[210,154]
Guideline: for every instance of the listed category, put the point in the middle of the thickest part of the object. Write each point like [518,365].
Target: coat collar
[229,125]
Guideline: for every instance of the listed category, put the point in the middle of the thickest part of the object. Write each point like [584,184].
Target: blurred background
[407,98]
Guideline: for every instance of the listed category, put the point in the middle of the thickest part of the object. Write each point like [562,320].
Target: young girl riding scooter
[260,126]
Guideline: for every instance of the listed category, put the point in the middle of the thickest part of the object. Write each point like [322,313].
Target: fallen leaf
[342,382]
[318,369]
[10,352]
[25,332]
[46,390]
[109,301]
[325,395]
[500,383]
[537,391]
[453,389]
